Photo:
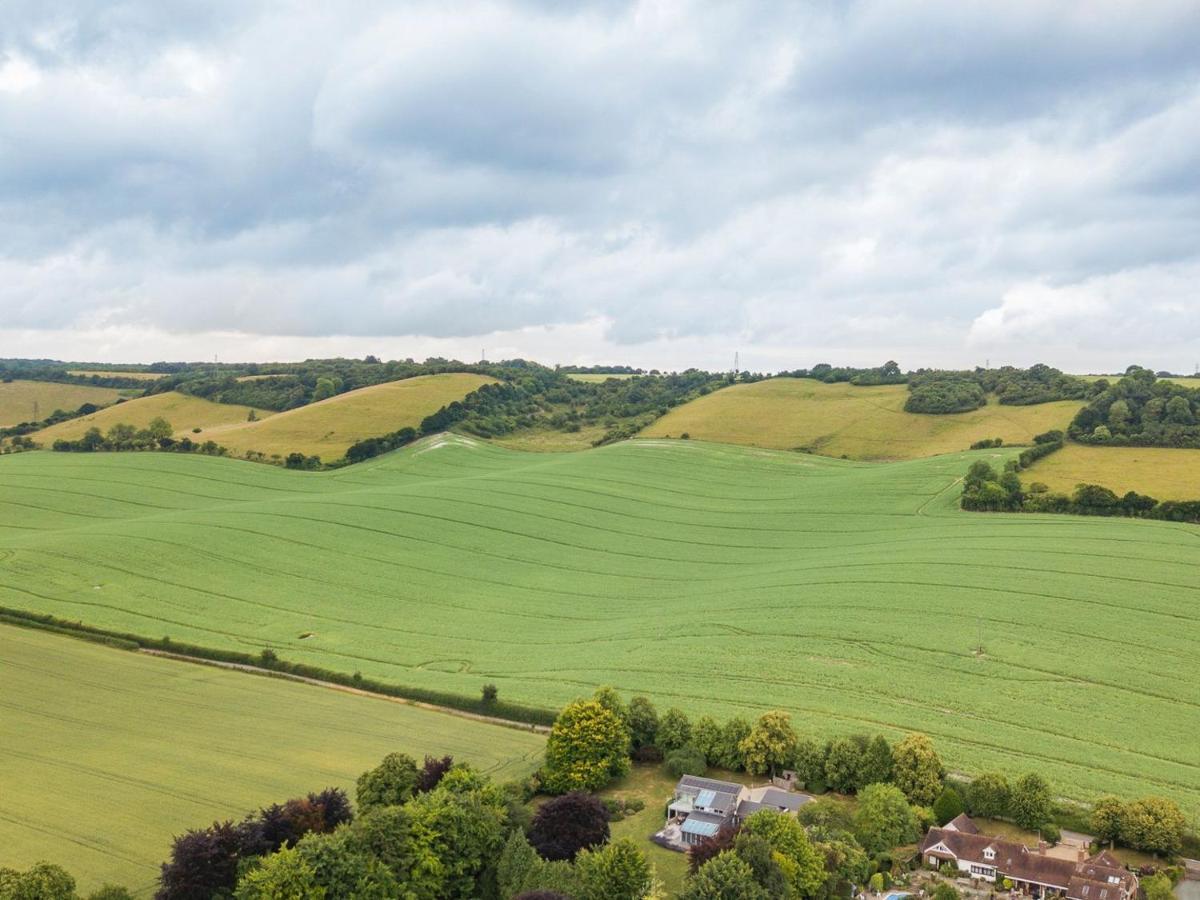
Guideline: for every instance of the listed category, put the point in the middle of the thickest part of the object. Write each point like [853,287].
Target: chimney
[1083,851]
[1041,848]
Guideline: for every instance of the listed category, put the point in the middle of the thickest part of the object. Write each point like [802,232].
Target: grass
[329,427]
[107,373]
[548,440]
[18,399]
[105,755]
[717,578]
[184,412]
[843,420]
[1162,472]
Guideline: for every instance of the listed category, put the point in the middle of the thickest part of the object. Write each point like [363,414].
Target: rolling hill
[184,412]
[717,578]
[106,755]
[329,427]
[32,401]
[844,420]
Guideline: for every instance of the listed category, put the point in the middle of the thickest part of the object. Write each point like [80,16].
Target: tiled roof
[694,782]
[962,822]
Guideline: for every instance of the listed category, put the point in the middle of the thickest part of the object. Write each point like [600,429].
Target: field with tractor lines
[844,420]
[106,755]
[718,578]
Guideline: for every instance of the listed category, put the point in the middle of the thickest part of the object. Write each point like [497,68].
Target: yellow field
[844,420]
[327,428]
[17,399]
[137,376]
[1161,472]
[182,411]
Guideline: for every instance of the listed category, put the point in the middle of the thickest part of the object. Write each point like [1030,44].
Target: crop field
[1162,472]
[717,578]
[105,755]
[843,420]
[330,426]
[184,412]
[32,401]
[112,373]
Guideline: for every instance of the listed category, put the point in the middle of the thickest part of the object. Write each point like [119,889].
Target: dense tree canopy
[588,746]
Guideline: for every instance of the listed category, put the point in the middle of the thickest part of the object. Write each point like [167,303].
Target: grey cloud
[768,173]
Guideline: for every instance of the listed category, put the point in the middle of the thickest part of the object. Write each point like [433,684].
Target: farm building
[1098,877]
[702,806]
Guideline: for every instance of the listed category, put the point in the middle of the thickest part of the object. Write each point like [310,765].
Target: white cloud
[645,177]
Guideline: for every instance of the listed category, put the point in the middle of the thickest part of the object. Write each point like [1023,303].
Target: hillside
[328,427]
[1162,472]
[171,746]
[18,399]
[182,411]
[717,578]
[845,420]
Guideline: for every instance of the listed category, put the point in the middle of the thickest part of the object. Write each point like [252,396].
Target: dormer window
[989,853]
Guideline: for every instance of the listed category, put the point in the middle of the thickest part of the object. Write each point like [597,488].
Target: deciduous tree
[1031,801]
[917,769]
[588,746]
[771,743]
[389,784]
[726,877]
[565,825]
[884,819]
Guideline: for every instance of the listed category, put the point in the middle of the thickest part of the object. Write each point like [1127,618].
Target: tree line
[157,435]
[1140,410]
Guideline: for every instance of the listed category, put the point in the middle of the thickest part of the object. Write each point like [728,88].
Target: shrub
[488,694]
[687,760]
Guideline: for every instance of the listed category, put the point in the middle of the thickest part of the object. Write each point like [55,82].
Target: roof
[962,822]
[1018,862]
[771,798]
[703,824]
[696,783]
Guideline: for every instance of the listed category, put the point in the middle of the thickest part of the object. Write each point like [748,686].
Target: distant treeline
[49,370]
[1142,411]
[942,391]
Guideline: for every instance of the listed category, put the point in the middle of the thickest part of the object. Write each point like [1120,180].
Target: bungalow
[702,806]
[1099,877]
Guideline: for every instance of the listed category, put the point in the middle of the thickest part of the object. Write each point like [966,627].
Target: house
[702,806]
[1099,877]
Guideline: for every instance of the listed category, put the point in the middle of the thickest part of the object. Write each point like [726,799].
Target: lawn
[106,754]
[717,578]
[32,401]
[1162,472]
[843,420]
[183,411]
[327,428]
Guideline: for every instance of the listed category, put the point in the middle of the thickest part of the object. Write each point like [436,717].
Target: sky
[660,184]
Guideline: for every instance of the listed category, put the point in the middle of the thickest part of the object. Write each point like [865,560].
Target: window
[989,853]
[983,871]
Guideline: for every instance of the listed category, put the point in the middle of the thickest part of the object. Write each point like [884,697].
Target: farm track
[851,594]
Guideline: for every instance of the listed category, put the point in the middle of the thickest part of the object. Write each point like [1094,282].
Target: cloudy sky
[658,183]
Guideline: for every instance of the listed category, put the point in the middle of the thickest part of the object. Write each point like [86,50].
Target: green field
[105,755]
[32,401]
[1166,473]
[844,420]
[719,578]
